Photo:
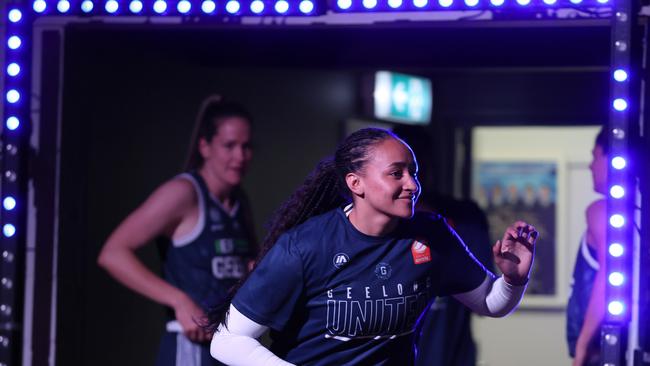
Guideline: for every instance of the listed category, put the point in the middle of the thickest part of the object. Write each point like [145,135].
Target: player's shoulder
[318,225]
[597,208]
[178,191]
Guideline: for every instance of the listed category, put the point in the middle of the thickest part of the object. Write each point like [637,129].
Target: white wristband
[237,345]
[493,297]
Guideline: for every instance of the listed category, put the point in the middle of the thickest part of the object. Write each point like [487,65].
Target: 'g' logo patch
[383,271]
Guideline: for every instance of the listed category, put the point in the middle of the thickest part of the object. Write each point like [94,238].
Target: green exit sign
[402,98]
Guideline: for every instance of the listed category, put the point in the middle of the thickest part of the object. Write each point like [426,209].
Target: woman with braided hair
[347,267]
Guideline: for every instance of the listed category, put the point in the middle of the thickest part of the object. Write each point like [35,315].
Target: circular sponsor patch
[340,260]
[383,271]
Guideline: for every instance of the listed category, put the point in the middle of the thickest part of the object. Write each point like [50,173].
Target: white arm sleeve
[237,345]
[494,297]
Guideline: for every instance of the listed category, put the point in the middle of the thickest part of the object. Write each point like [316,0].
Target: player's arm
[494,297]
[160,214]
[596,234]
[497,297]
[236,343]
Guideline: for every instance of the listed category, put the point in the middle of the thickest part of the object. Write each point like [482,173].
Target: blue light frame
[15,139]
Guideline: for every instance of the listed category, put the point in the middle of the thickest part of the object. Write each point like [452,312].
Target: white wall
[534,334]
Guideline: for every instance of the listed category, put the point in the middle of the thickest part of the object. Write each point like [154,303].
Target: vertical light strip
[618,225]
[623,105]
[15,96]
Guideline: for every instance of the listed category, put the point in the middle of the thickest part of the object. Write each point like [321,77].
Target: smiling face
[228,154]
[388,184]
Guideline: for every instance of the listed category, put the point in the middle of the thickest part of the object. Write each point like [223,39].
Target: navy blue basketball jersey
[335,296]
[210,259]
[584,274]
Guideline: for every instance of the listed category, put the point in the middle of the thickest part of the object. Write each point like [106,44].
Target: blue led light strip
[619,274]
[287,7]
[198,8]
[620,186]
[349,6]
[15,98]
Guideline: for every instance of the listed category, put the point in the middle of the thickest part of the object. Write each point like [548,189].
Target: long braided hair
[323,190]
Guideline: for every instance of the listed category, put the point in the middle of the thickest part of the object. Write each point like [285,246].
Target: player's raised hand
[514,253]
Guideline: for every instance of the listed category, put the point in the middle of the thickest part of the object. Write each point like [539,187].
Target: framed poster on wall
[511,190]
[539,174]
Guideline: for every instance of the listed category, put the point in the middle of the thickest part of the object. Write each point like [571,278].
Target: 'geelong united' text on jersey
[334,296]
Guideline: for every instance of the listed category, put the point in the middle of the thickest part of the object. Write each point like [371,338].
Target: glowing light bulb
[616,250]
[620,75]
[111,6]
[9,203]
[184,6]
[9,230]
[39,6]
[87,6]
[617,191]
[14,42]
[620,104]
[281,6]
[208,6]
[232,6]
[160,6]
[63,6]
[306,6]
[617,221]
[257,6]
[13,69]
[344,4]
[616,278]
[13,96]
[15,15]
[615,308]
[12,123]
[618,162]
